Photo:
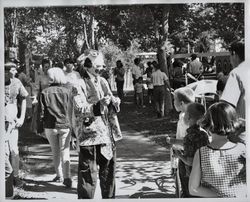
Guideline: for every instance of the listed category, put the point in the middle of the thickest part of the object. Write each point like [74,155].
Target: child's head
[140,80]
[194,112]
[221,119]
[182,97]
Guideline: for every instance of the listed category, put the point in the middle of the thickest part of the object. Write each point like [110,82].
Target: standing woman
[55,101]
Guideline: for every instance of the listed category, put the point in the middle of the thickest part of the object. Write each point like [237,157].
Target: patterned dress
[223,170]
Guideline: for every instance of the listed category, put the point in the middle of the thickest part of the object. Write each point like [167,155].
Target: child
[150,87]
[219,169]
[195,138]
[139,88]
[182,97]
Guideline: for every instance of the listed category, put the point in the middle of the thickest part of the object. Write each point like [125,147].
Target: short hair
[185,94]
[221,118]
[56,75]
[193,56]
[137,61]
[140,78]
[45,61]
[119,62]
[87,63]
[195,111]
[239,49]
[68,61]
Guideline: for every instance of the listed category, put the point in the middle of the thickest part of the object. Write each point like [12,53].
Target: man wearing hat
[14,89]
[96,129]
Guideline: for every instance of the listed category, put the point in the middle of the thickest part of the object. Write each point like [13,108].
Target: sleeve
[231,88]
[22,91]
[81,106]
[105,87]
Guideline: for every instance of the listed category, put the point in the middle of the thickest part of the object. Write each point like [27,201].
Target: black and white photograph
[124,100]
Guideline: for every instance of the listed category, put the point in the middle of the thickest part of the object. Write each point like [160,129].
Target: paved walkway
[143,169]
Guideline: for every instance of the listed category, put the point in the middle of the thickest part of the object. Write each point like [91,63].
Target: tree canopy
[64,31]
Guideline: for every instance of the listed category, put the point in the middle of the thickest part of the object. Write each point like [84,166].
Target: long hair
[56,75]
[221,119]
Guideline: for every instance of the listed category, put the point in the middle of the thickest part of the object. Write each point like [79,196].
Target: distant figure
[72,76]
[139,88]
[195,66]
[119,72]
[159,80]
[177,74]
[136,73]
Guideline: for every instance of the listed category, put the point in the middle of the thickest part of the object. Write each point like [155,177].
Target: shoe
[17,182]
[67,182]
[57,179]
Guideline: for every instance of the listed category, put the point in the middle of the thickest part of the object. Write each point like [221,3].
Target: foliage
[63,32]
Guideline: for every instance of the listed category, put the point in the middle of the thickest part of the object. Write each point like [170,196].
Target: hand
[19,122]
[105,101]
[73,143]
[34,101]
[177,153]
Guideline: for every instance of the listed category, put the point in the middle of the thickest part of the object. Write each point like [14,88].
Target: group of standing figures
[70,105]
[210,145]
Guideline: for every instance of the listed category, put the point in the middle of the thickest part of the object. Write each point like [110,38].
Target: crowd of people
[209,147]
[207,154]
[67,105]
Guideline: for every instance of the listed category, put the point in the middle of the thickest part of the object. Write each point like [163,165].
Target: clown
[96,128]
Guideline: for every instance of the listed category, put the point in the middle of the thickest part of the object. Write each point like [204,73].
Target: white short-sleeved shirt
[235,88]
[159,78]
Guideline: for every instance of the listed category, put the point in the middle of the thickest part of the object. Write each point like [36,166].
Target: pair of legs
[89,158]
[139,99]
[150,95]
[9,191]
[59,140]
[119,85]
[159,97]
[14,152]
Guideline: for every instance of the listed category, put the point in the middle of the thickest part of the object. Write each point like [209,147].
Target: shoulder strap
[200,160]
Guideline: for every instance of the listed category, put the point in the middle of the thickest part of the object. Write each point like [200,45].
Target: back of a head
[193,56]
[185,94]
[56,76]
[221,119]
[196,111]
[137,61]
[45,61]
[239,49]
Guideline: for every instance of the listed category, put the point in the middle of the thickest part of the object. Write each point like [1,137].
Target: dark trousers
[119,85]
[184,179]
[159,97]
[89,158]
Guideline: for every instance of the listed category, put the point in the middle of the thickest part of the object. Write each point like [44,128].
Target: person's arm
[195,187]
[187,160]
[23,94]
[20,120]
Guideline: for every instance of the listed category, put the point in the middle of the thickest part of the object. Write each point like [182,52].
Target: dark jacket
[54,102]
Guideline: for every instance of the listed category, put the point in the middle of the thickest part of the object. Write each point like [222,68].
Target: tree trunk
[162,57]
